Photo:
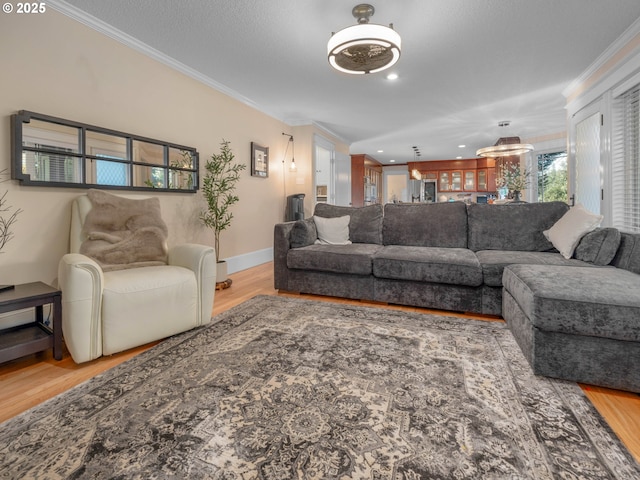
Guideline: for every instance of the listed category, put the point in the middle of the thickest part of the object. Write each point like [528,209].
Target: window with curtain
[625,165]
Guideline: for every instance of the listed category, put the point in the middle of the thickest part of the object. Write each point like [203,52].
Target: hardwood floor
[31,380]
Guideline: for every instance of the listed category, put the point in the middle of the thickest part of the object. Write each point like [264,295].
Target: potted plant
[219,183]
[8,217]
[7,221]
[511,176]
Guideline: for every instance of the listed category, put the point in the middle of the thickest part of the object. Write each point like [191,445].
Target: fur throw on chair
[124,233]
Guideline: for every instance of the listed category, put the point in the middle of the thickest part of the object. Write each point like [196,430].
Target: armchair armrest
[81,281]
[201,260]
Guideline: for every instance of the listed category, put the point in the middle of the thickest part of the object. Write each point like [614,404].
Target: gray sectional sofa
[447,256]
[576,318]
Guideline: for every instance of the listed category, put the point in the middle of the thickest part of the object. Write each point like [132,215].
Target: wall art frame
[259,160]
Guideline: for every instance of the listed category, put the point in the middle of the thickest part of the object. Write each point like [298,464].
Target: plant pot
[222,279]
[221,271]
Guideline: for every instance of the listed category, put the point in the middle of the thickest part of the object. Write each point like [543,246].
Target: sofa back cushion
[425,224]
[599,246]
[365,225]
[513,226]
[628,255]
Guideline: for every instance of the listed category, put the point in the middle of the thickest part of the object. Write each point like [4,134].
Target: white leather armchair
[108,312]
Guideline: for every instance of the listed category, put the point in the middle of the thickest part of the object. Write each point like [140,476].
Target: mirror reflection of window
[50,166]
[110,172]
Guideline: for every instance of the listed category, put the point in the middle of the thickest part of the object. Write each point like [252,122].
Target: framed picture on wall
[259,160]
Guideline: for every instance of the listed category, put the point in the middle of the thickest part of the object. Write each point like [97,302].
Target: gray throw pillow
[303,233]
[599,246]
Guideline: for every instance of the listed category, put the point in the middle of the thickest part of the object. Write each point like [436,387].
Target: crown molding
[102,27]
[330,132]
[623,40]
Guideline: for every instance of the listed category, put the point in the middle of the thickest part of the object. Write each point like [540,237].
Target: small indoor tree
[8,216]
[219,184]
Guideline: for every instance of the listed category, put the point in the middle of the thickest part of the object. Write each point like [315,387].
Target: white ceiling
[465,64]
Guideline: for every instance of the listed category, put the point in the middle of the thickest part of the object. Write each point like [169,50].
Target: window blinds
[625,168]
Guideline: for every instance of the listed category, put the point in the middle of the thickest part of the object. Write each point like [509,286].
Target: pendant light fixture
[505,146]
[365,47]
[292,166]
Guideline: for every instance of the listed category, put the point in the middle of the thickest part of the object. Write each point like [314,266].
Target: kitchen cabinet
[450,181]
[469,180]
[372,185]
[482,179]
[487,171]
[463,175]
[456,180]
[366,180]
[444,181]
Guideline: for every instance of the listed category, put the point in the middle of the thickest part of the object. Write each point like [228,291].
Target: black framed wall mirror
[54,152]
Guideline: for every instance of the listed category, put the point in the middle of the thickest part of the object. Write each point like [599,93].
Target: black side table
[33,337]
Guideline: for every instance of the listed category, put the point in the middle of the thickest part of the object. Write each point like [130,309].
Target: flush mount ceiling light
[365,47]
[505,146]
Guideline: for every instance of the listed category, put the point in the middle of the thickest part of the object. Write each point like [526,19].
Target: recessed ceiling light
[458,158]
[392,161]
[461,146]
[392,76]
[380,151]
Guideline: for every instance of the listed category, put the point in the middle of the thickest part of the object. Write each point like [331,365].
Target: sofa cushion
[628,254]
[515,226]
[457,266]
[494,261]
[566,233]
[597,301]
[425,224]
[355,258]
[598,247]
[365,225]
[303,233]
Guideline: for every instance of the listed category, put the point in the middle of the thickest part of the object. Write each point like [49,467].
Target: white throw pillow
[567,232]
[333,231]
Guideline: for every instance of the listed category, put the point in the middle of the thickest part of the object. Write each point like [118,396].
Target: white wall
[594,90]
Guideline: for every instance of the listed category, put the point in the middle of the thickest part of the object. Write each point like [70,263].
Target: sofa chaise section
[579,324]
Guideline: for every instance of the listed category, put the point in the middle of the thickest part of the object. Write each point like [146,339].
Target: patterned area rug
[293,389]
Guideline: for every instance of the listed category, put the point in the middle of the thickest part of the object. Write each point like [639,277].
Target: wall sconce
[292,166]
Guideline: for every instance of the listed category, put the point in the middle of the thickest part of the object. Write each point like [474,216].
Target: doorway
[323,178]
[587,169]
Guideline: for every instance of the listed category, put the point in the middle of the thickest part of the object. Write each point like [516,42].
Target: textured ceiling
[465,64]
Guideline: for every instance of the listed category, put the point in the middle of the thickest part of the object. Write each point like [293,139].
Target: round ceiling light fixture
[505,146]
[505,150]
[365,47]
